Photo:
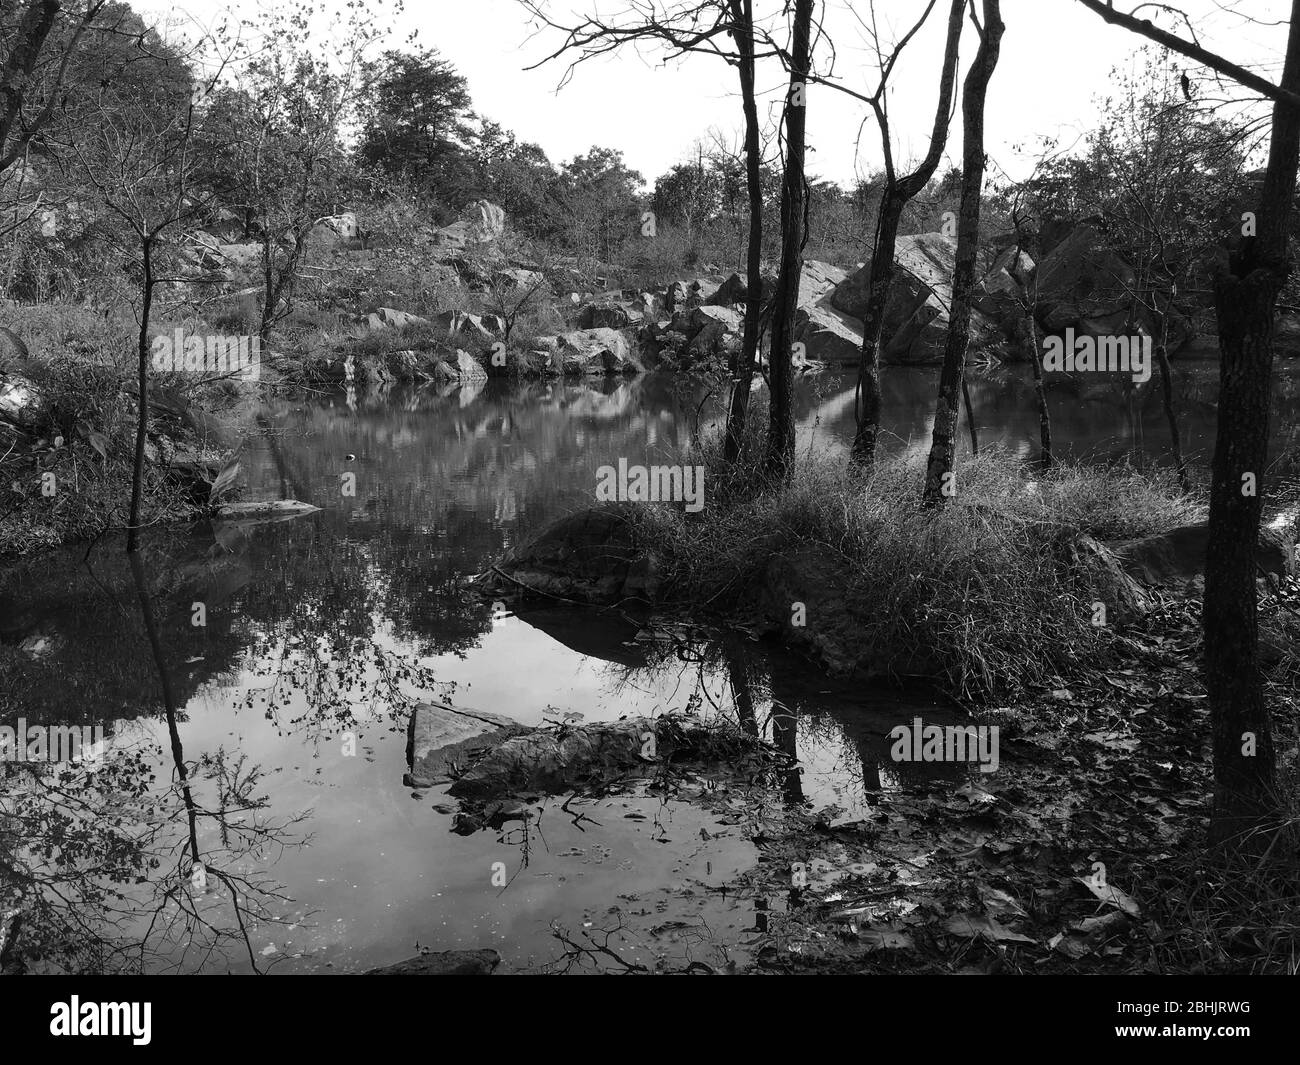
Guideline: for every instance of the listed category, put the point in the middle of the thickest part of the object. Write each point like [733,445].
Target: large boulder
[1001,292]
[1177,557]
[915,327]
[735,290]
[608,315]
[827,333]
[683,295]
[596,351]
[1083,283]
[482,329]
[468,368]
[336,231]
[690,321]
[482,223]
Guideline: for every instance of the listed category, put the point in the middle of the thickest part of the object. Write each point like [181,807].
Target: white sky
[1056,61]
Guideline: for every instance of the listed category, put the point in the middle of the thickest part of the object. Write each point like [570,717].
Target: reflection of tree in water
[113,872]
[766,691]
[112,869]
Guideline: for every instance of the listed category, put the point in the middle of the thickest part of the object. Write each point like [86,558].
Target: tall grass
[984,588]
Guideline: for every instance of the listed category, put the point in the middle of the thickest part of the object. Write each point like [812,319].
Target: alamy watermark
[654,484]
[208,353]
[78,1018]
[946,743]
[1107,354]
[50,743]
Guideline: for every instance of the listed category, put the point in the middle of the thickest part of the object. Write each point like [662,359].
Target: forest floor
[1084,853]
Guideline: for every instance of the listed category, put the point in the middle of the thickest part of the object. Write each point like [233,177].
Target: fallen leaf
[1110,893]
[973,925]
[999,903]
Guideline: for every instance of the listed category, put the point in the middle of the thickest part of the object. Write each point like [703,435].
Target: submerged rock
[443,963]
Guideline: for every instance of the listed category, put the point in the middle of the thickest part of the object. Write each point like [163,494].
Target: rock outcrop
[828,333]
[594,351]
[915,327]
[482,223]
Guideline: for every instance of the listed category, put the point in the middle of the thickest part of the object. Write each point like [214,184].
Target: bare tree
[938,475]
[140,161]
[742,31]
[895,196]
[780,436]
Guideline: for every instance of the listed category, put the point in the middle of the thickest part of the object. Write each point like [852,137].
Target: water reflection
[268,743]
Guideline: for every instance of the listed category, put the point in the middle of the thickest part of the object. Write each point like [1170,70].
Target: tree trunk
[1167,395]
[743,32]
[1044,415]
[142,400]
[879,281]
[895,197]
[35,27]
[780,437]
[1245,302]
[943,443]
[970,419]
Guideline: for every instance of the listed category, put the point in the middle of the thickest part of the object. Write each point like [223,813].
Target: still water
[318,634]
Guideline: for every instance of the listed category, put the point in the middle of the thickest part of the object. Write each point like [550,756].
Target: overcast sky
[1057,60]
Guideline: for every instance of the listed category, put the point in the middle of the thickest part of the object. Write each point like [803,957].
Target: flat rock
[390,318]
[441,737]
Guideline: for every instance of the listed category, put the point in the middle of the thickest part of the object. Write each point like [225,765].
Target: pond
[317,635]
